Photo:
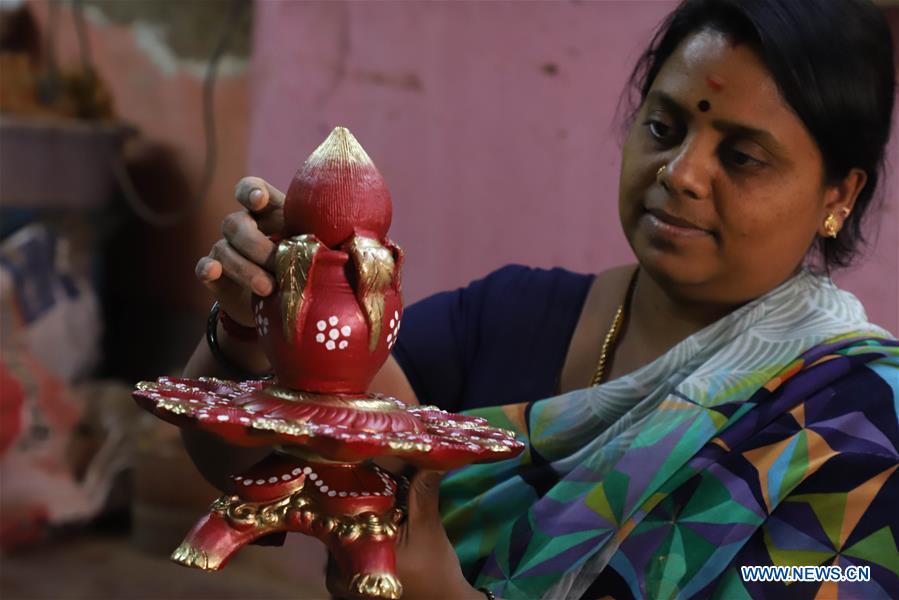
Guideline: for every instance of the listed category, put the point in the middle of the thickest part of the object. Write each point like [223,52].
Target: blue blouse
[500,340]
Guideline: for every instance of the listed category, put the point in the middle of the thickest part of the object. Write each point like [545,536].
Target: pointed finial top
[338,193]
[340,146]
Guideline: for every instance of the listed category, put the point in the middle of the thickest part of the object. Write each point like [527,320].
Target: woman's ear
[839,199]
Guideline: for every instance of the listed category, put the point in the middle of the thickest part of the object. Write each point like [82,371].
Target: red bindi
[714,82]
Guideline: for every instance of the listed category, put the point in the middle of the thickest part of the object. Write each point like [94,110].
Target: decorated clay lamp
[327,330]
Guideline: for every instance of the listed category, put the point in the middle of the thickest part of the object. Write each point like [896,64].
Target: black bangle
[212,340]
[490,595]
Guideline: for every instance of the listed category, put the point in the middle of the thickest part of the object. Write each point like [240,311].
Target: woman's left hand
[426,563]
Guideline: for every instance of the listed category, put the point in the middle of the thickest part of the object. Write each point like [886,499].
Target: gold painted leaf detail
[375,268]
[398,258]
[293,266]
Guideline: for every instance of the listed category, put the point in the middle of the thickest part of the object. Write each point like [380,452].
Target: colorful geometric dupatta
[727,451]
[806,476]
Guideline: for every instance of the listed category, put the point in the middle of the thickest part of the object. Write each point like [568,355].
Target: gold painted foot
[188,556]
[376,585]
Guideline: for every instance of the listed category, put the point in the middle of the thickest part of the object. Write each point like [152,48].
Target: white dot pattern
[262,323]
[394,329]
[330,334]
[320,484]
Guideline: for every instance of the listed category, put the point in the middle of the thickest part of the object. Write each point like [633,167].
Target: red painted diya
[327,330]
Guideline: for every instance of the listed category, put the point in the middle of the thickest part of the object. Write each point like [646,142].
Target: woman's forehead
[709,65]
[709,74]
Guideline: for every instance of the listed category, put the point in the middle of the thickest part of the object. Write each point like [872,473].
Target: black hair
[832,61]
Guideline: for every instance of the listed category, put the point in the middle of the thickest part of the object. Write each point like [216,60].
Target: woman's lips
[672,226]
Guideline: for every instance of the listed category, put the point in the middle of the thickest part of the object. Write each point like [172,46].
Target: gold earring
[659,174]
[831,227]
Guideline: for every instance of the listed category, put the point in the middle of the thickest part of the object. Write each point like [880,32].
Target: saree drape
[767,438]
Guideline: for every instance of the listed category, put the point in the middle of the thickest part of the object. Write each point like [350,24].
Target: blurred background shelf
[59,163]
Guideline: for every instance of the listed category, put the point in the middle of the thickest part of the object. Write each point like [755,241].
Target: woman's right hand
[239,265]
[242,262]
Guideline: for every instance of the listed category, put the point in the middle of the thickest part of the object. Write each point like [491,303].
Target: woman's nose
[689,173]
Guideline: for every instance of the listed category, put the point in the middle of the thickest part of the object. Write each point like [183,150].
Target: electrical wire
[49,86]
[126,185]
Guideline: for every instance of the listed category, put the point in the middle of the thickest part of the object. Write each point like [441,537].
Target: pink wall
[494,123]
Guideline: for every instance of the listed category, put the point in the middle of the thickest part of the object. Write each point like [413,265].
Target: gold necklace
[611,339]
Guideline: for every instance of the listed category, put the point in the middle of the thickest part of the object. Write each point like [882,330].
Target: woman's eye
[659,130]
[739,159]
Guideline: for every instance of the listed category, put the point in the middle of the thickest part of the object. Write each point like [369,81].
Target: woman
[717,405]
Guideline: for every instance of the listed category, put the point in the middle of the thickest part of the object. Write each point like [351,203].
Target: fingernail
[203,270]
[262,286]
[256,196]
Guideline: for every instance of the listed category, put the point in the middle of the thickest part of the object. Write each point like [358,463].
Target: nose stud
[659,174]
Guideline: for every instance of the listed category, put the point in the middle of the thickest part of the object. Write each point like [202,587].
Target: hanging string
[126,185]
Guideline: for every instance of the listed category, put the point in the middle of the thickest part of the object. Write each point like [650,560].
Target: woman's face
[742,196]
